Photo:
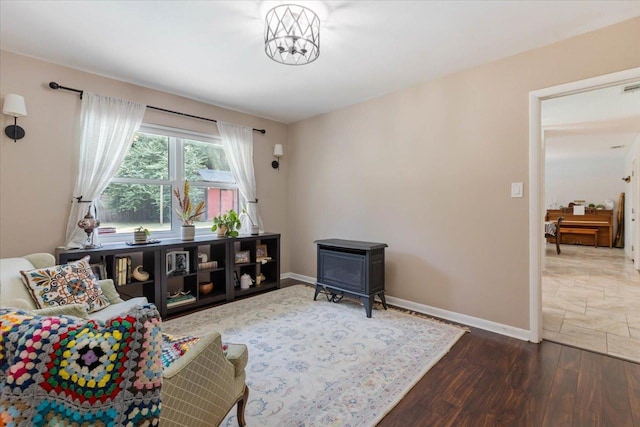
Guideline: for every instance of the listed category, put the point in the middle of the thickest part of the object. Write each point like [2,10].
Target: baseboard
[300,277]
[487,325]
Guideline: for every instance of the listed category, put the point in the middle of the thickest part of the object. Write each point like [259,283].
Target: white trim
[536,168]
[487,325]
[296,276]
[635,205]
[536,182]
[498,328]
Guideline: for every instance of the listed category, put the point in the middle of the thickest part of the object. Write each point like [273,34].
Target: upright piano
[595,219]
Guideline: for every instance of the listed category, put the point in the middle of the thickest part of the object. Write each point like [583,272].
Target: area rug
[315,363]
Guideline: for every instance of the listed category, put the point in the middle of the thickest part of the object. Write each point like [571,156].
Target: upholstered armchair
[201,387]
[198,388]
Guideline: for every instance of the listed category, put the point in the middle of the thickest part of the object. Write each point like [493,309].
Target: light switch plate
[516,189]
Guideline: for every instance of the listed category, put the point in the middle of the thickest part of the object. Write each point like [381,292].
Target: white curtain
[107,128]
[238,146]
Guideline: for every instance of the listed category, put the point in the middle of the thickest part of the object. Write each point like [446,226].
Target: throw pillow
[72,283]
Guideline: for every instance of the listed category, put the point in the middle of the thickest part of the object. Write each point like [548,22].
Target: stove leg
[384,301]
[368,304]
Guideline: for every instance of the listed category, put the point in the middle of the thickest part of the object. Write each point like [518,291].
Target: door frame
[635,207]
[537,179]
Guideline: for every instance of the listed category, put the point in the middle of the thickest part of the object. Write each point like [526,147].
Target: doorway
[536,182]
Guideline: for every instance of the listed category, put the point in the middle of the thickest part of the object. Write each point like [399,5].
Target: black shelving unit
[153,259]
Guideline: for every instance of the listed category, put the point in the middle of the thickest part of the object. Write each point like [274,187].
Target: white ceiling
[588,124]
[213,51]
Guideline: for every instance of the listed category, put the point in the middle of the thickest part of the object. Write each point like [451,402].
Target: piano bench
[591,231]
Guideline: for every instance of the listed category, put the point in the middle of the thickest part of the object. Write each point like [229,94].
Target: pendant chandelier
[292,35]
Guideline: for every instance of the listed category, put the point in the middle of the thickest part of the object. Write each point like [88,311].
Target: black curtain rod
[54,85]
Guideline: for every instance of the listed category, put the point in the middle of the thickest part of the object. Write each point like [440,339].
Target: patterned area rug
[317,363]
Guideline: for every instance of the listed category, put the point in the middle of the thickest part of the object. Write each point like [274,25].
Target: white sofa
[13,292]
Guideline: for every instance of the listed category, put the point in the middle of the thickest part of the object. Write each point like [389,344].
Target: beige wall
[37,173]
[428,170]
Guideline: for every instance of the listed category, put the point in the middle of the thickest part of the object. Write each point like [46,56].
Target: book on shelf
[123,271]
[116,272]
[180,297]
[180,300]
[122,274]
[208,265]
[106,230]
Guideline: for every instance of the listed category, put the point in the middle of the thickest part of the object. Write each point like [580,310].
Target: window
[159,160]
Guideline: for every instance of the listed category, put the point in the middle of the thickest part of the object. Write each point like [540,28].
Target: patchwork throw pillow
[72,283]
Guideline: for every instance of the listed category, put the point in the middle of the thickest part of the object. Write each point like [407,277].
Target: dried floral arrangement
[185,210]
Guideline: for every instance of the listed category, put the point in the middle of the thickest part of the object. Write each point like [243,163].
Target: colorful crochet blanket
[68,371]
[173,348]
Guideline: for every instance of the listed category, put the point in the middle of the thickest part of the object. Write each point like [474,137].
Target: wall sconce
[627,179]
[277,152]
[14,106]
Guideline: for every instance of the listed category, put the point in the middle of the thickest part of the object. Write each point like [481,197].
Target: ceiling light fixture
[292,35]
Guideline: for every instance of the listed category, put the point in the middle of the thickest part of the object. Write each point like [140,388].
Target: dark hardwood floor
[492,380]
[489,379]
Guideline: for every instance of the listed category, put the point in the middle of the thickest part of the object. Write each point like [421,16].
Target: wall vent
[631,88]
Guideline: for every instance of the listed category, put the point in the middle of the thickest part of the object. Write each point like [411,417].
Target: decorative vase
[205,287]
[139,274]
[188,232]
[222,230]
[139,236]
[245,281]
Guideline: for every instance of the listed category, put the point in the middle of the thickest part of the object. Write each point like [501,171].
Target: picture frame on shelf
[177,262]
[181,262]
[261,252]
[170,263]
[100,270]
[242,257]
[236,281]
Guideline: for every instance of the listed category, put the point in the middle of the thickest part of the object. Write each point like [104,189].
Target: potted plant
[187,213]
[253,228]
[227,224]
[140,234]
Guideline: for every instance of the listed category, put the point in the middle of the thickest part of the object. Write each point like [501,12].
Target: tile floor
[591,300]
